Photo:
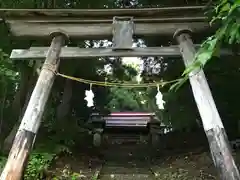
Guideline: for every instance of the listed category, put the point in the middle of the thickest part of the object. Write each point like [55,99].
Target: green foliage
[67,174]
[38,164]
[95,176]
[227,14]
[9,79]
[6,67]
[125,99]
[75,176]
[2,161]
[40,160]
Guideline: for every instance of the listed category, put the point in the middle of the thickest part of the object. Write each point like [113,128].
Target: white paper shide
[159,99]
[89,97]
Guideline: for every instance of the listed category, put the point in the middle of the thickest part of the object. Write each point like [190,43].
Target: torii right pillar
[212,123]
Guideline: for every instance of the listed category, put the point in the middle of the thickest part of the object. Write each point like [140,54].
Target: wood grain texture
[97,23]
[224,162]
[76,53]
[211,120]
[99,30]
[18,156]
[139,12]
[31,120]
[86,20]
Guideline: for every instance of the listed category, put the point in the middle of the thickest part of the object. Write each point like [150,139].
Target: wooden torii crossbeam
[121,24]
[97,23]
[76,53]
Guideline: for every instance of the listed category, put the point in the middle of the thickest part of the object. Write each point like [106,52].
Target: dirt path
[129,171]
[135,161]
[126,162]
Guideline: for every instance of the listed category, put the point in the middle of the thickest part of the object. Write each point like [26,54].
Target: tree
[226,13]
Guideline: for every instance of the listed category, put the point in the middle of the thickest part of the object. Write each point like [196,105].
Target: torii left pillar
[212,123]
[25,137]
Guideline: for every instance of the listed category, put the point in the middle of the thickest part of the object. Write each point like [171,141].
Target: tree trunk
[2,103]
[17,105]
[9,139]
[19,99]
[25,137]
[64,107]
[212,123]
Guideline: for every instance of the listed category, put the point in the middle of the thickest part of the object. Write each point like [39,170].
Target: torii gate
[122,24]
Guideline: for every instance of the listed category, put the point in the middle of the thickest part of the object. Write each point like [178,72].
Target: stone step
[126,157]
[129,166]
[122,170]
[126,170]
[121,137]
[125,177]
[126,152]
[130,154]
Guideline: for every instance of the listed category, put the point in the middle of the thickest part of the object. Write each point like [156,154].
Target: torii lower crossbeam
[77,53]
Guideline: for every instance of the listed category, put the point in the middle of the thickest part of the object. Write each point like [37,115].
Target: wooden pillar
[213,126]
[25,137]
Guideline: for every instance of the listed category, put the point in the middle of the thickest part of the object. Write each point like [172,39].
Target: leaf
[222,3]
[233,34]
[234,7]
[226,7]
[191,68]
[178,84]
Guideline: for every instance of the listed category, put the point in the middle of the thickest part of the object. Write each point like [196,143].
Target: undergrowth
[40,160]
[3,160]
